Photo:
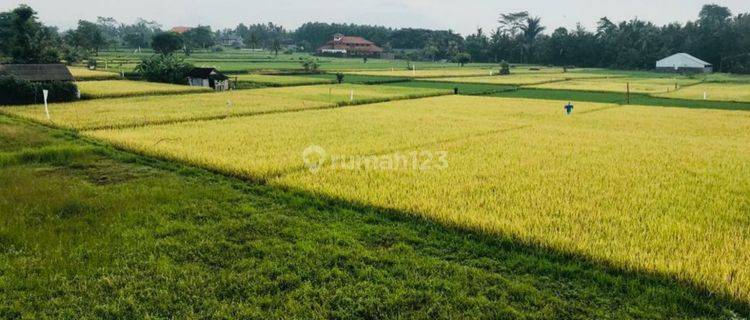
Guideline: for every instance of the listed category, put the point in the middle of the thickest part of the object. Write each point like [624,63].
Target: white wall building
[208,77]
[683,62]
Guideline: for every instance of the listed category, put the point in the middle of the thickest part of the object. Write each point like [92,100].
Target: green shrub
[164,68]
[504,68]
[310,65]
[18,91]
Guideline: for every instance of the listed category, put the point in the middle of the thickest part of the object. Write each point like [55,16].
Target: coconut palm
[530,30]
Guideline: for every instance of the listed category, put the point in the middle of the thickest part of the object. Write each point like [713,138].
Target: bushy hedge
[18,91]
[164,68]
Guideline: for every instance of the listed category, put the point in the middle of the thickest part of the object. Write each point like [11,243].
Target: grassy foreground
[122,236]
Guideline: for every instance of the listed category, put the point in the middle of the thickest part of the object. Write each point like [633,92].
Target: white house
[683,62]
[208,77]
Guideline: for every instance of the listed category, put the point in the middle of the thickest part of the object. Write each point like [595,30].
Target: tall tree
[26,40]
[478,45]
[87,36]
[167,42]
[513,22]
[531,30]
[199,37]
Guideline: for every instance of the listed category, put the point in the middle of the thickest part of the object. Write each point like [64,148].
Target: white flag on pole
[45,93]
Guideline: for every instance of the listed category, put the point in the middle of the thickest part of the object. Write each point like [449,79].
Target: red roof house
[349,46]
[180,30]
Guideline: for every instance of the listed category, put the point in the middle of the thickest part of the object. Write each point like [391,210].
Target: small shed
[209,78]
[38,72]
[683,63]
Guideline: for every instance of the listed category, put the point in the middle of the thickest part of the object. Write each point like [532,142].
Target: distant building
[350,46]
[231,40]
[37,72]
[209,78]
[180,29]
[683,63]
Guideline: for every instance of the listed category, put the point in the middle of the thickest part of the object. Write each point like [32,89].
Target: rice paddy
[521,78]
[456,72]
[734,92]
[127,88]
[346,93]
[261,147]
[428,73]
[635,85]
[276,80]
[517,167]
[661,191]
[83,74]
[140,111]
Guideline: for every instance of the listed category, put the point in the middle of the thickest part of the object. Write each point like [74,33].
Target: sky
[463,16]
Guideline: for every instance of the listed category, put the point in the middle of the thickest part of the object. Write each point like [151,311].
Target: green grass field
[522,78]
[463,88]
[243,61]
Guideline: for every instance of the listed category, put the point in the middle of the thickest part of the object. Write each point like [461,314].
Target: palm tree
[252,40]
[276,45]
[531,30]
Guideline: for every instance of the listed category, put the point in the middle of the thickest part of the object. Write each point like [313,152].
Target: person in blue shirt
[569,108]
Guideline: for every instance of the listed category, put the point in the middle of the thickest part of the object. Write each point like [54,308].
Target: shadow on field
[181,241]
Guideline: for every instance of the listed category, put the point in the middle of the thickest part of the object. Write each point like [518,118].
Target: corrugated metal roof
[38,72]
[682,59]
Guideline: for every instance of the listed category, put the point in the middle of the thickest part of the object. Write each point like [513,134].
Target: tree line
[716,36]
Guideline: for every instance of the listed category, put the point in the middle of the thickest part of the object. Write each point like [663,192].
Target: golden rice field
[663,190]
[127,88]
[280,80]
[637,85]
[145,110]
[736,92]
[521,78]
[343,93]
[268,145]
[428,73]
[83,74]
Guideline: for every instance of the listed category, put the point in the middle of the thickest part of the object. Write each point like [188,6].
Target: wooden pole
[628,93]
